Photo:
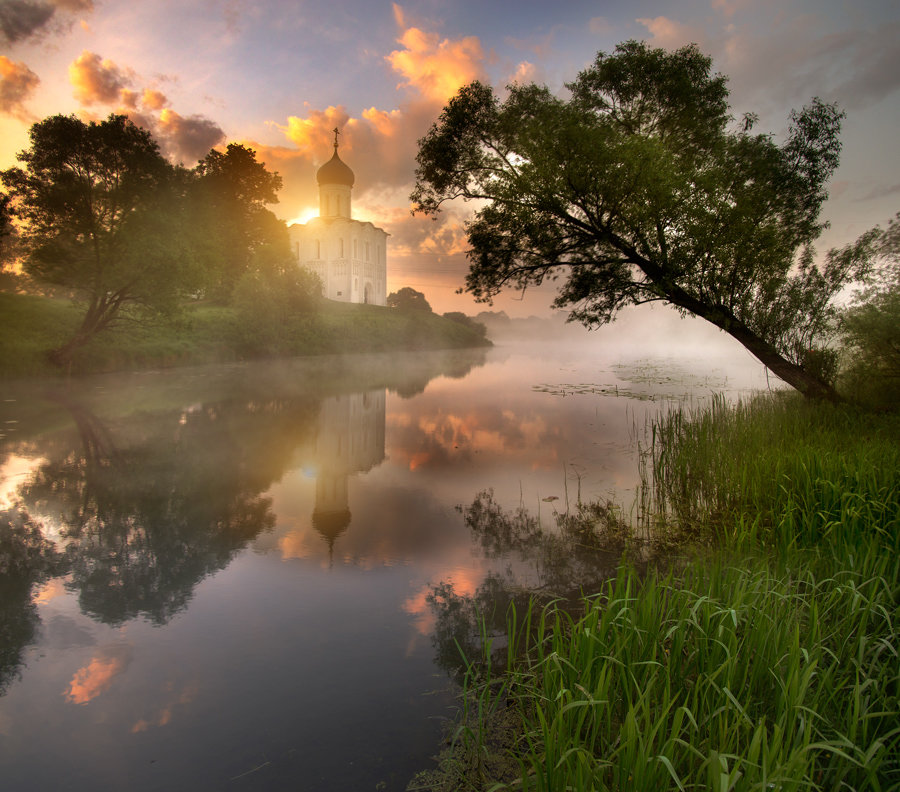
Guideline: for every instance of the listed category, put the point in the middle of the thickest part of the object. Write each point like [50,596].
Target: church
[349,256]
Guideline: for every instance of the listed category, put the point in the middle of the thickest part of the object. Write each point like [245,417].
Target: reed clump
[768,660]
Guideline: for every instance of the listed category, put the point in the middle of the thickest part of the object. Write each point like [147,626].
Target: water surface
[225,577]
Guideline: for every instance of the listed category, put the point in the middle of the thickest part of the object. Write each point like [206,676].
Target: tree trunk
[795,376]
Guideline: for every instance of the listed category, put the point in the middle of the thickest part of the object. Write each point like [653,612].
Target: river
[232,577]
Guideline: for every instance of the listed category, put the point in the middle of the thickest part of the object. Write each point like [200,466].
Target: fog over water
[225,577]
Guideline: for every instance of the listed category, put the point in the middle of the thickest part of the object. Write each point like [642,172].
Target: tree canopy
[640,187]
[409,299]
[235,232]
[106,217]
[98,202]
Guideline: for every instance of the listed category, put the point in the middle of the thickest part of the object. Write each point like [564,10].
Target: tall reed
[770,660]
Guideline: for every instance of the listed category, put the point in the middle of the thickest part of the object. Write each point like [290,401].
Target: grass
[31,326]
[768,658]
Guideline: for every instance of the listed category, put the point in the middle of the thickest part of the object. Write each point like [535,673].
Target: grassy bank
[31,326]
[767,656]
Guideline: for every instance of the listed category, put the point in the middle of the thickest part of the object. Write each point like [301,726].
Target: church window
[367,251]
[342,247]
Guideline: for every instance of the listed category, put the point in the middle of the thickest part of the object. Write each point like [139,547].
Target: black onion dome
[335,171]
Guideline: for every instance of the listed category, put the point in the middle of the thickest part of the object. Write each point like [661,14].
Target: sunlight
[304,217]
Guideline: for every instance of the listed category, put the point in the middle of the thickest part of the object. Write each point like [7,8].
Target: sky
[278,75]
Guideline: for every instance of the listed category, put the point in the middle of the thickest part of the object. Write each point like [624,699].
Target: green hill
[31,326]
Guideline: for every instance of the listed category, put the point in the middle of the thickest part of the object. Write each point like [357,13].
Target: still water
[225,578]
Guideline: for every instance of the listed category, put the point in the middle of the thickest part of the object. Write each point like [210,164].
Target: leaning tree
[640,187]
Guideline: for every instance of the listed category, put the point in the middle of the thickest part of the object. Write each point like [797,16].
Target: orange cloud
[315,131]
[17,83]
[436,68]
[97,676]
[153,100]
[97,80]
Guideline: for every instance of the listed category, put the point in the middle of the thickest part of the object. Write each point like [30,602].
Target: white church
[349,256]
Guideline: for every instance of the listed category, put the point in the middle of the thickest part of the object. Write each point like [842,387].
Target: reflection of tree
[26,561]
[564,562]
[152,506]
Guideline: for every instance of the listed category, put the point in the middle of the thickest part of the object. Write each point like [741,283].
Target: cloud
[525,73]
[154,100]
[669,33]
[433,67]
[315,131]
[17,83]
[23,19]
[96,80]
[181,138]
[20,19]
[187,139]
[600,26]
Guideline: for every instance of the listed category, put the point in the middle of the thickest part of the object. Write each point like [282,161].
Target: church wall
[349,256]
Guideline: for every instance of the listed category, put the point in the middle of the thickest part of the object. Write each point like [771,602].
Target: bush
[270,306]
[871,332]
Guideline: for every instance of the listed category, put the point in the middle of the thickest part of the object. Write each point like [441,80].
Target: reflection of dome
[330,525]
[335,171]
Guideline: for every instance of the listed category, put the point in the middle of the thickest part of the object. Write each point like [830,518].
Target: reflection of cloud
[15,471]
[464,582]
[17,83]
[97,676]
[166,711]
[443,438]
[51,590]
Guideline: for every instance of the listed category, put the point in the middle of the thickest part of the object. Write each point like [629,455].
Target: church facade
[349,256]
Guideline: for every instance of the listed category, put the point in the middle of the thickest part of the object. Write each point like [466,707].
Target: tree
[236,233]
[870,327]
[99,206]
[6,224]
[408,299]
[460,318]
[637,189]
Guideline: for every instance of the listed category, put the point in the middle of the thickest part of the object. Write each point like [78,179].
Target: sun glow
[304,217]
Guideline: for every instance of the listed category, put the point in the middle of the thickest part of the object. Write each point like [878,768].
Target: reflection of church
[348,255]
[350,440]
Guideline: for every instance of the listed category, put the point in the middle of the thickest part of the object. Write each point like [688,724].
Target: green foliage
[408,299]
[870,330]
[99,206]
[636,190]
[232,231]
[769,661]
[205,332]
[268,305]
[468,321]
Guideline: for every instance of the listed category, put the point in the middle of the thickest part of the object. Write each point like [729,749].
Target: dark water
[233,577]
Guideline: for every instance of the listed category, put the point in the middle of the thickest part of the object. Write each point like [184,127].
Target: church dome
[335,171]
